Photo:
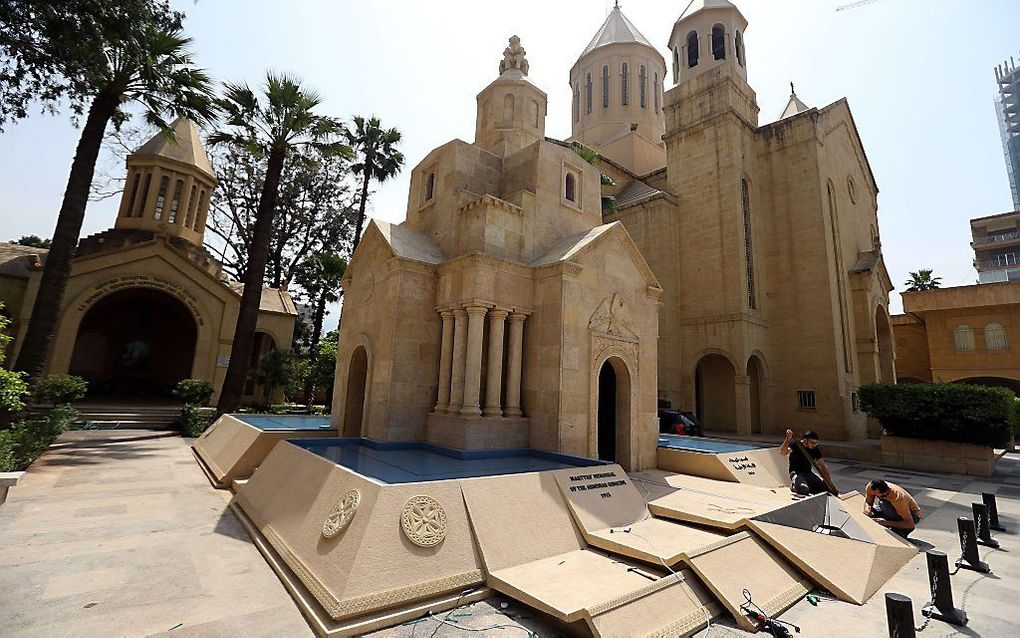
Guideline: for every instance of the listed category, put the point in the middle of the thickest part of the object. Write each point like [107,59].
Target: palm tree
[275,369]
[379,159]
[922,280]
[153,68]
[274,124]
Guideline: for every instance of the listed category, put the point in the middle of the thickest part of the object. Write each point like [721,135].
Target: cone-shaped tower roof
[616,29]
[794,106]
[186,146]
[698,5]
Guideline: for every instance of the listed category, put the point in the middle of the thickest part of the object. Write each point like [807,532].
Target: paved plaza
[118,533]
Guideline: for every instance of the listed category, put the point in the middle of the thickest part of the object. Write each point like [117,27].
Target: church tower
[616,86]
[511,110]
[711,122]
[168,185]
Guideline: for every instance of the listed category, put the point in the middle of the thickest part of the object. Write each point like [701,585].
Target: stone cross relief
[513,57]
[609,318]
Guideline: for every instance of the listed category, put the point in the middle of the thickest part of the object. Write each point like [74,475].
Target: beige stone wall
[12,293]
[912,360]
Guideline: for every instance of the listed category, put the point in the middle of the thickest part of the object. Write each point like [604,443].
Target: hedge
[962,413]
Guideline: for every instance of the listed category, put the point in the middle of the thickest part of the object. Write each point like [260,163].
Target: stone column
[457,363]
[473,363]
[445,362]
[494,378]
[149,205]
[513,372]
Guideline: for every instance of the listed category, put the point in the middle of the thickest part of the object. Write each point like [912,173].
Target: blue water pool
[414,462]
[697,444]
[274,422]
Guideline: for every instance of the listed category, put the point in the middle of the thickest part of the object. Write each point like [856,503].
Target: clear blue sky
[918,75]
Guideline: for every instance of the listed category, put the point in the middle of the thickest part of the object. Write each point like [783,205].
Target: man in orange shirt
[891,506]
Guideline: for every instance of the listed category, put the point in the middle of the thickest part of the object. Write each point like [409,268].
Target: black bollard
[941,607]
[984,535]
[900,613]
[993,512]
[968,546]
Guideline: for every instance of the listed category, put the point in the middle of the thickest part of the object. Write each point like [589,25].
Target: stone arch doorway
[884,341]
[135,341]
[357,383]
[715,393]
[756,377]
[613,416]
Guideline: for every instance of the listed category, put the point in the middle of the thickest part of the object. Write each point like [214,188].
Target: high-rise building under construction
[1007,104]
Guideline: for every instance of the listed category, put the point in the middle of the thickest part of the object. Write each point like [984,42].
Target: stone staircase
[113,416]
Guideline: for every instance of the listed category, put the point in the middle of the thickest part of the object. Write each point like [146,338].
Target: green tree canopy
[34,241]
[922,280]
[377,159]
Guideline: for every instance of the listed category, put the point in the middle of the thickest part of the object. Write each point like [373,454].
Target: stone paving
[118,533]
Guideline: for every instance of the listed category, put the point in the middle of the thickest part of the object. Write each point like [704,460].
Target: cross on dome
[513,57]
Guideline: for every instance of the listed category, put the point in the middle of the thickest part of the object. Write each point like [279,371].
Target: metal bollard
[900,613]
[984,536]
[993,512]
[941,607]
[968,547]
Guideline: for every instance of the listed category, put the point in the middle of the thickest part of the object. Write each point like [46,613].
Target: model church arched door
[613,418]
[357,382]
[135,341]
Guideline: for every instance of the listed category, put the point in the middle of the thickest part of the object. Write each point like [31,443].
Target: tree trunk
[35,349]
[362,203]
[254,276]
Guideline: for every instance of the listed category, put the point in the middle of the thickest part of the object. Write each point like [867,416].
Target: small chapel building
[504,312]
[146,304]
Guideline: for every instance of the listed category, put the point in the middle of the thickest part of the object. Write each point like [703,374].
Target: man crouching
[891,506]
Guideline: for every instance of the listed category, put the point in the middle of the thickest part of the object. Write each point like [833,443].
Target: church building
[146,304]
[764,237]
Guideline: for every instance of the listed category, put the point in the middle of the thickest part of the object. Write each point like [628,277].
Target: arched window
[605,87]
[643,80]
[719,42]
[577,103]
[430,186]
[200,212]
[676,65]
[508,108]
[164,184]
[192,199]
[131,201]
[570,188]
[655,90]
[624,93]
[745,197]
[175,202]
[964,338]
[738,43]
[692,49]
[535,112]
[995,337]
[588,95]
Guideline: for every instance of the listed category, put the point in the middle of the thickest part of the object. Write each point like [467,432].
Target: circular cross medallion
[424,521]
[341,514]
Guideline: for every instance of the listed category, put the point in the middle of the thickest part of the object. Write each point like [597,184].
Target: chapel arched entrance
[613,416]
[357,382]
[135,341]
[715,392]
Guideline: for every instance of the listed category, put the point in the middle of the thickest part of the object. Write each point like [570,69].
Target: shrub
[193,420]
[60,389]
[946,411]
[24,442]
[194,392]
[13,387]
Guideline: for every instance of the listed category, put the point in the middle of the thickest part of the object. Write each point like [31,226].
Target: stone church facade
[146,304]
[764,237]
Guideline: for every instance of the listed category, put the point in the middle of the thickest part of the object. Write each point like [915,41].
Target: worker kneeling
[891,506]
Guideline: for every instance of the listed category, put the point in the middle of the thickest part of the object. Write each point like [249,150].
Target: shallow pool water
[698,444]
[284,422]
[414,462]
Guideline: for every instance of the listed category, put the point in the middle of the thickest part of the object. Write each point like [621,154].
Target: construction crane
[854,5]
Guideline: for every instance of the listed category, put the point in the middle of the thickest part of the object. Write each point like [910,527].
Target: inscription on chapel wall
[144,281]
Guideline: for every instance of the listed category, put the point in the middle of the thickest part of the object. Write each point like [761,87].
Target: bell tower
[711,133]
[168,185]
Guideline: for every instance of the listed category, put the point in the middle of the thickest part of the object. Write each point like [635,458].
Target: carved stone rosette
[341,514]
[423,521]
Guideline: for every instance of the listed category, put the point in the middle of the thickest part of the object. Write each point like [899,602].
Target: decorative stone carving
[423,521]
[610,318]
[513,57]
[341,514]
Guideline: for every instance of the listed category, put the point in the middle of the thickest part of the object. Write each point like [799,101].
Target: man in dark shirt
[803,480]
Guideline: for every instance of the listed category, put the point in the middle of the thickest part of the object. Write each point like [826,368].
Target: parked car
[678,422]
